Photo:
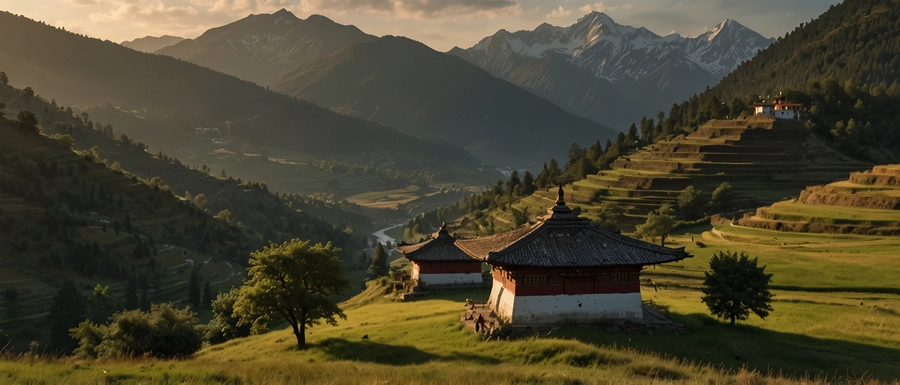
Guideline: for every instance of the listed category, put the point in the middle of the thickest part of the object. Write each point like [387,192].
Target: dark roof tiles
[560,239]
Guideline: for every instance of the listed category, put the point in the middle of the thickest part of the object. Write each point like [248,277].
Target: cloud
[596,7]
[558,13]
[419,9]
[83,2]
[142,12]
[242,7]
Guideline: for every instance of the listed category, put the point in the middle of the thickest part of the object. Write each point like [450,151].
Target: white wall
[555,308]
[447,279]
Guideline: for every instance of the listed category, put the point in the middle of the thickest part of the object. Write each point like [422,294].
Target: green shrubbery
[163,332]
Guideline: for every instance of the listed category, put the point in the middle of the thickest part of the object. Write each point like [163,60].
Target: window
[618,277]
[534,279]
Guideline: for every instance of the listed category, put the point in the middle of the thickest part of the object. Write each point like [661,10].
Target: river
[380,236]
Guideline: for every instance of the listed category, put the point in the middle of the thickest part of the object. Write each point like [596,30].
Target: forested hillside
[843,66]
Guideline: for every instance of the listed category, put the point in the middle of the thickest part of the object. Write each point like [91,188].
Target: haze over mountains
[259,48]
[394,81]
[151,44]
[650,70]
[184,96]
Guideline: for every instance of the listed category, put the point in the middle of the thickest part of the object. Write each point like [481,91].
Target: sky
[441,24]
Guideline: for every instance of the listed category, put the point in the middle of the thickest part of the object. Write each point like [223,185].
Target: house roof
[563,239]
[441,246]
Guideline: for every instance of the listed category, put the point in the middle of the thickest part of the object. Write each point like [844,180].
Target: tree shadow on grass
[379,353]
[714,342]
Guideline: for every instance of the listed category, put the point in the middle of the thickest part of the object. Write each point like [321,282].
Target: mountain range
[151,44]
[394,81]
[259,48]
[649,70]
[76,70]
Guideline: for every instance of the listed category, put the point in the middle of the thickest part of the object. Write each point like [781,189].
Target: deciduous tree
[293,281]
[736,286]
[690,203]
[659,224]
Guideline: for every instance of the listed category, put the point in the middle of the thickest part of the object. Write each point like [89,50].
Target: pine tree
[207,295]
[379,266]
[194,287]
[67,311]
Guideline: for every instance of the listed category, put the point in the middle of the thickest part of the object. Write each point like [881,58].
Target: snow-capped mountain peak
[623,53]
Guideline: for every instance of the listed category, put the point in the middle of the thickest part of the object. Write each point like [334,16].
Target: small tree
[659,224]
[207,299]
[200,200]
[736,286]
[690,203]
[66,311]
[722,196]
[608,216]
[379,266]
[194,287]
[225,324]
[295,282]
[28,121]
[3,78]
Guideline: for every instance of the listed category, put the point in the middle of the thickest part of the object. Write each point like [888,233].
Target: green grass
[836,318]
[791,211]
[423,342]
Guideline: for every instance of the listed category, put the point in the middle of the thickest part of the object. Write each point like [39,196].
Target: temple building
[781,109]
[565,268]
[437,261]
[562,267]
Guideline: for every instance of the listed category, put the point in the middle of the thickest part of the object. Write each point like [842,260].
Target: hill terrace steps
[867,203]
[763,158]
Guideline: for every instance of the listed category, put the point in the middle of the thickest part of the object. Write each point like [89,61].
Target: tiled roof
[440,247]
[562,239]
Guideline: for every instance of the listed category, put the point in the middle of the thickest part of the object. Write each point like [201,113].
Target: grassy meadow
[836,320]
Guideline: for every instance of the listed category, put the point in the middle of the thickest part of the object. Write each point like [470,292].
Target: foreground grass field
[836,320]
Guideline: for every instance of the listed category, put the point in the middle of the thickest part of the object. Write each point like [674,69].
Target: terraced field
[867,203]
[763,158]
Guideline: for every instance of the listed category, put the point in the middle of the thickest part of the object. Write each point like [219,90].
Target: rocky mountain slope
[648,68]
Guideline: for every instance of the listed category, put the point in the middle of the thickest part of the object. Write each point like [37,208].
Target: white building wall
[787,114]
[555,308]
[448,279]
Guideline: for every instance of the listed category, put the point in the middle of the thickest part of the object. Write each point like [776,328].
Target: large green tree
[736,286]
[294,281]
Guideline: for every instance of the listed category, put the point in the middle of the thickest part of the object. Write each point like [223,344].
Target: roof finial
[561,211]
[442,232]
[561,195]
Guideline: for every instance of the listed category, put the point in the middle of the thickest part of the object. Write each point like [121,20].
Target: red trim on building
[530,281]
